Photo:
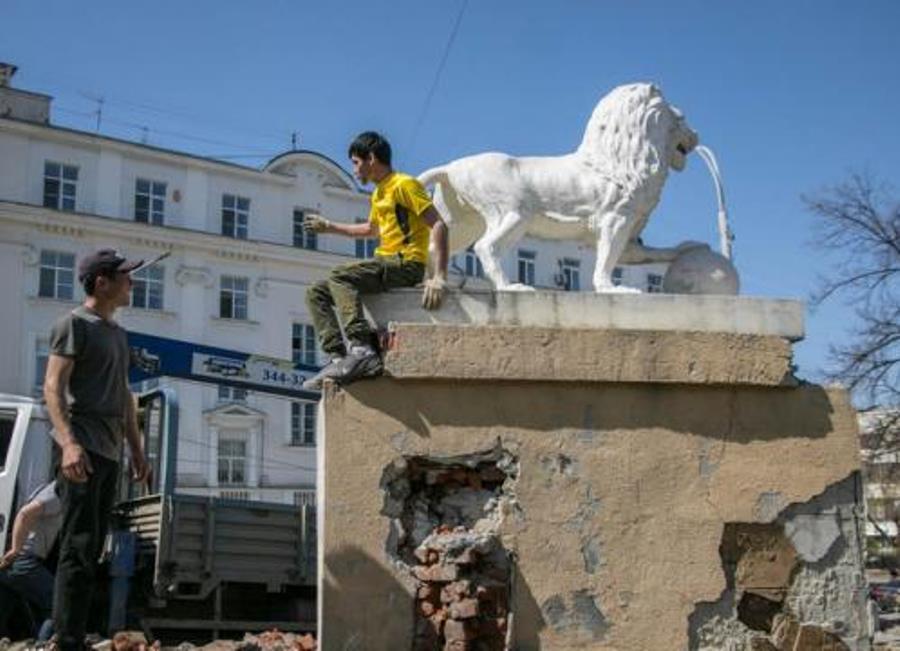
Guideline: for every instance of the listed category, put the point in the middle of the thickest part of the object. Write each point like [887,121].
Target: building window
[526,267]
[305,497]
[59,185]
[303,344]
[235,213]
[57,275]
[303,423]
[303,238]
[365,246]
[147,288]
[232,462]
[41,354]
[473,264]
[617,276]
[149,202]
[654,283]
[569,274]
[232,394]
[233,297]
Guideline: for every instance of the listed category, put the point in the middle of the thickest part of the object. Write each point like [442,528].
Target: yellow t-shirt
[397,206]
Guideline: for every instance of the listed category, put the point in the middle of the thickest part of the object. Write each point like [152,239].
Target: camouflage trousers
[335,301]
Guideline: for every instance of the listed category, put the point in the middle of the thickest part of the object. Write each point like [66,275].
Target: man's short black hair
[89,283]
[371,142]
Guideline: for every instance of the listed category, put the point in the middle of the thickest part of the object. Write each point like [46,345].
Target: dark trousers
[29,578]
[335,301]
[86,510]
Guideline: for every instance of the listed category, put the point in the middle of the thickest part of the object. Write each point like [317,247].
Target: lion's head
[635,134]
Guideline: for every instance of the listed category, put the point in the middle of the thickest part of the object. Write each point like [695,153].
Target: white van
[26,449]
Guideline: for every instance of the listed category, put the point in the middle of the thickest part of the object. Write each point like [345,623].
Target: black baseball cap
[105,261]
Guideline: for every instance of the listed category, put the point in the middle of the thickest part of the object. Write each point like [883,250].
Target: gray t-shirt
[99,381]
[41,538]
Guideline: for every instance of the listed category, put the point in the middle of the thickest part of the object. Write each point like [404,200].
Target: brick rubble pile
[462,591]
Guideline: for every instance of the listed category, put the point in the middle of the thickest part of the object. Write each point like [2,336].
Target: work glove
[315,223]
[434,292]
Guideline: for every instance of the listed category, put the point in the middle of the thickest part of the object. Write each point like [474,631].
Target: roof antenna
[294,138]
[99,99]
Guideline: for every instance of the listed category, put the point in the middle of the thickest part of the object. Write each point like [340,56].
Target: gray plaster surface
[731,314]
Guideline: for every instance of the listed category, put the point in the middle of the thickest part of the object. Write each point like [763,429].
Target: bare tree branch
[859,221]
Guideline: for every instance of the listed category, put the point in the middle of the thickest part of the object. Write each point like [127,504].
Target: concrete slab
[731,314]
[494,352]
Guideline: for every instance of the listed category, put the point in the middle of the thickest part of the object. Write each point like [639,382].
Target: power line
[146,130]
[437,76]
[143,106]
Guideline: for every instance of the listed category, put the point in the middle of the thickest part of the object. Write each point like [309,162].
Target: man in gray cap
[89,359]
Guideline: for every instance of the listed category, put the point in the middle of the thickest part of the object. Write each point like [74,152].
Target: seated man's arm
[25,521]
[439,251]
[318,224]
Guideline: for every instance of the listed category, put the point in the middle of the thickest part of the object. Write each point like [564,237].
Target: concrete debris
[795,580]
[462,593]
[474,491]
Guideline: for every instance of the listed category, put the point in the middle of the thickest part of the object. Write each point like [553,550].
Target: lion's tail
[464,224]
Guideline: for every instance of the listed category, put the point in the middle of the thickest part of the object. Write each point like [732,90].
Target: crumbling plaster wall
[623,493]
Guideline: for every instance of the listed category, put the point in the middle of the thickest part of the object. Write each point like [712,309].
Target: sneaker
[362,361]
[332,370]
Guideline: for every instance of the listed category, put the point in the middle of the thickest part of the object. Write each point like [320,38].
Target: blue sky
[791,96]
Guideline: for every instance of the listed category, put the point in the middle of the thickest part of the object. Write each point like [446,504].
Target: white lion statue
[602,193]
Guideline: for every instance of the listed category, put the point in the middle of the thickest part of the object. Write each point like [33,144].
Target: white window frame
[58,268]
[228,393]
[154,193]
[66,179]
[234,289]
[304,346]
[303,238]
[232,455]
[148,284]
[654,283]
[235,216]
[303,423]
[526,261]
[570,270]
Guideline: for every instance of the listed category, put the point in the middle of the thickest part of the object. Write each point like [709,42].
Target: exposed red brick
[436,573]
[459,630]
[428,592]
[458,645]
[464,609]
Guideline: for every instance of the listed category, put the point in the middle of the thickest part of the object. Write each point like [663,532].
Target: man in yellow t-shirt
[406,222]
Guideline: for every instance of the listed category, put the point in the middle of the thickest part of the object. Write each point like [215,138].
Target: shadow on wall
[742,414]
[528,621]
[353,577]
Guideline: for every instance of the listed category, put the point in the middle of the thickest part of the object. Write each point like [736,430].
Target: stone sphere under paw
[701,271]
